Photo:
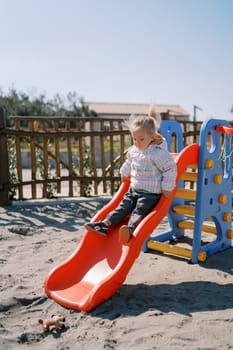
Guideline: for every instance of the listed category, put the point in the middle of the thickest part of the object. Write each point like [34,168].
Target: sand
[165,302]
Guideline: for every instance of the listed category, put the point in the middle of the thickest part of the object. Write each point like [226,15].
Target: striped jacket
[152,170]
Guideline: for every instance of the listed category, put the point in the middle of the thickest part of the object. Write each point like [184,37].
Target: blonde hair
[150,123]
[152,113]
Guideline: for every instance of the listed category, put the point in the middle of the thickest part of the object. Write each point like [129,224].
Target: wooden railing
[47,157]
[67,156]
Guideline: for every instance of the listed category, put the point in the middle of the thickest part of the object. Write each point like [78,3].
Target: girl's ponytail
[152,113]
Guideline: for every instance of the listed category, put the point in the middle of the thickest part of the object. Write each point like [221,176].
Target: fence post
[4,167]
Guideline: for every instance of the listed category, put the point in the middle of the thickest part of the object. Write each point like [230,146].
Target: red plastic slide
[100,264]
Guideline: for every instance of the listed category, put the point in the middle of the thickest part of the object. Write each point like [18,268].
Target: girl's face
[142,139]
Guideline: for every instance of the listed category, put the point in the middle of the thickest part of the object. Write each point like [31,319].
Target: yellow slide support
[172,249]
[186,194]
[184,209]
[189,225]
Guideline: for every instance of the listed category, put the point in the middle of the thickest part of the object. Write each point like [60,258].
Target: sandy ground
[165,302]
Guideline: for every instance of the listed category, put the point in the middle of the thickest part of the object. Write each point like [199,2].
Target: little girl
[152,172]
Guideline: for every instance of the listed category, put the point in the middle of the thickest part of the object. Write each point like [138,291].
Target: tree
[19,103]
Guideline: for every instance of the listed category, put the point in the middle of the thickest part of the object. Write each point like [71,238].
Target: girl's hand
[167,194]
[125,178]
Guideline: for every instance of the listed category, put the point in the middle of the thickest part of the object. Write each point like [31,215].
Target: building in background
[123,110]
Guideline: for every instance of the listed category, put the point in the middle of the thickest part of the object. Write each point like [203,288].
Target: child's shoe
[125,233]
[97,227]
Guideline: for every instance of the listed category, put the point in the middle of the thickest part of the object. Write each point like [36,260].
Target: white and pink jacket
[152,170]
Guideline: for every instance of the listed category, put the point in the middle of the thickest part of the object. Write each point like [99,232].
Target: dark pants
[135,203]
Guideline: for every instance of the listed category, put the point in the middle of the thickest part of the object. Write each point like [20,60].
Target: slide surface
[99,266]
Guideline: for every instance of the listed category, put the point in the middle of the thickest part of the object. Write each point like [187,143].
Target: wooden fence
[62,157]
[50,157]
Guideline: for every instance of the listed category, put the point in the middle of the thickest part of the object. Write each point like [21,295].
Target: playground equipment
[100,264]
[206,209]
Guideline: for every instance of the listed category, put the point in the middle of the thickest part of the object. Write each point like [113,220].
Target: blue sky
[135,51]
